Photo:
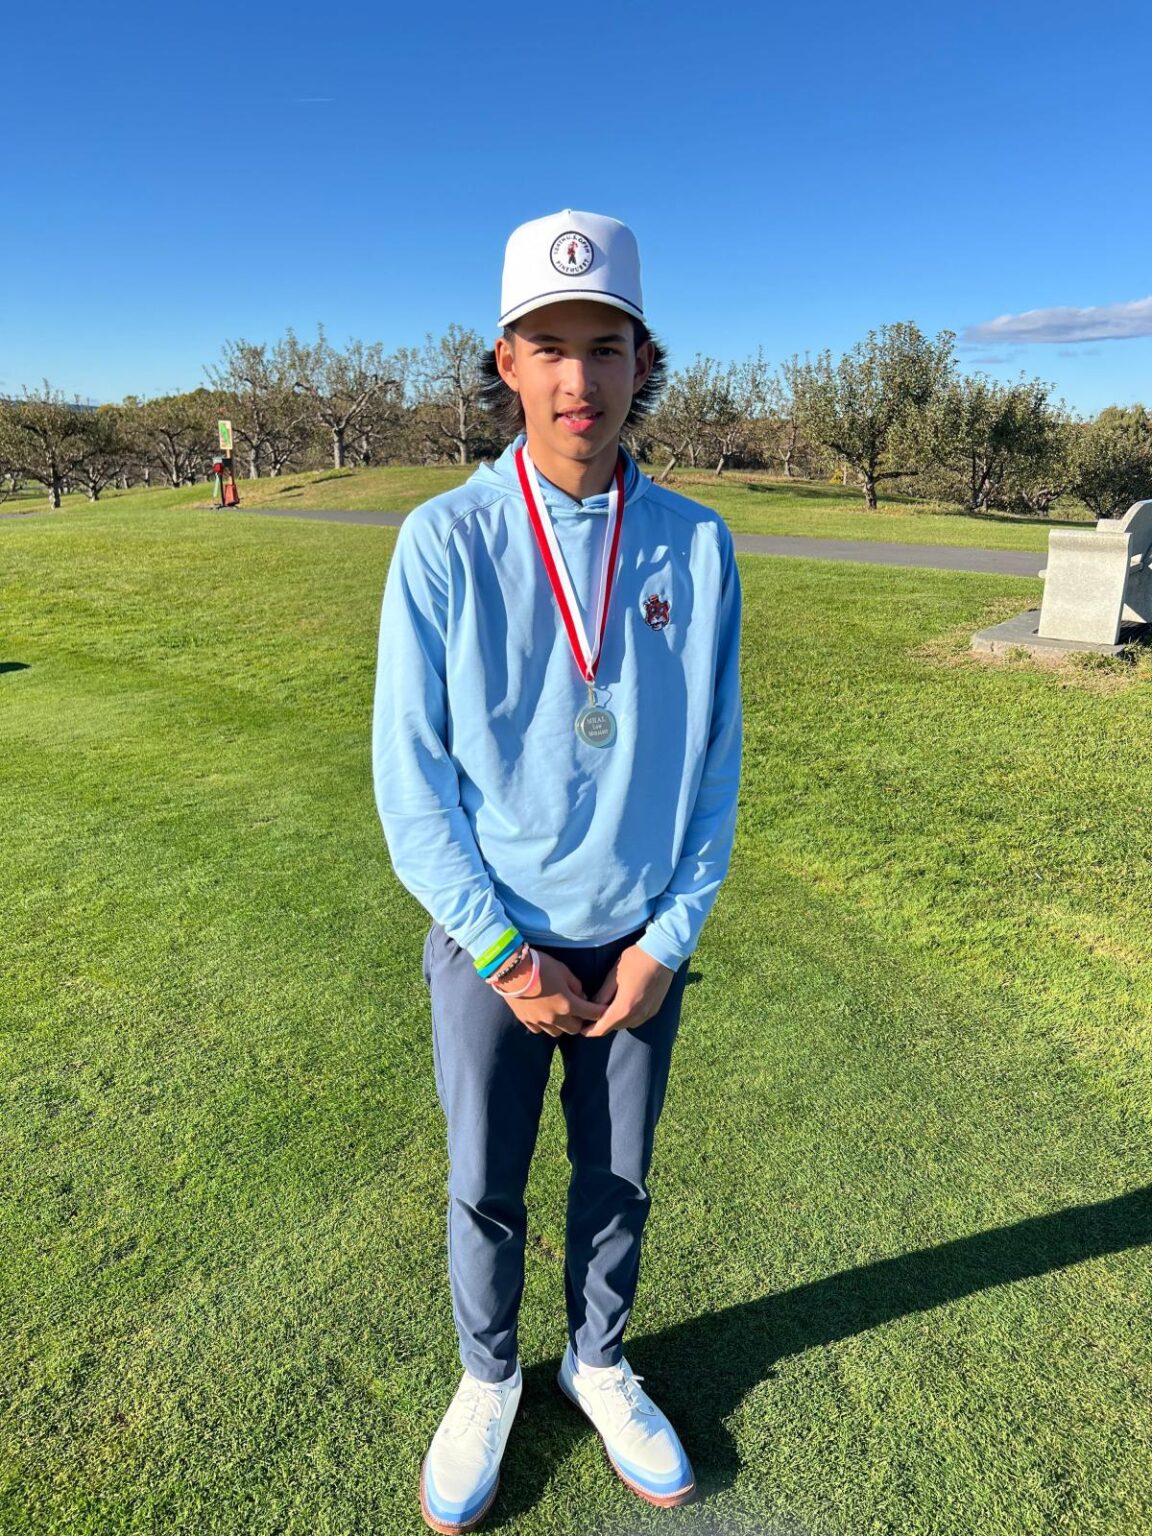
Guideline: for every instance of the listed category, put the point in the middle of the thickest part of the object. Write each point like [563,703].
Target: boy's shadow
[701,1370]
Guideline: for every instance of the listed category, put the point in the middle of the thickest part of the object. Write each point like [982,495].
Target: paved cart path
[947,557]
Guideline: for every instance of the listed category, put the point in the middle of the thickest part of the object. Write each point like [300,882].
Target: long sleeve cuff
[493,947]
[655,943]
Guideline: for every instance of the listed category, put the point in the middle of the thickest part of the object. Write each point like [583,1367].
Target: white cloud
[1099,322]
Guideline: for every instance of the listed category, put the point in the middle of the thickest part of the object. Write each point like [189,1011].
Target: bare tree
[179,433]
[136,460]
[446,379]
[742,401]
[43,438]
[11,479]
[106,453]
[10,482]
[711,412]
[340,385]
[786,440]
[268,418]
[681,422]
[384,433]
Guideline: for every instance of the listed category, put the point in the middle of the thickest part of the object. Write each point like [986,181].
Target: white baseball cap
[570,255]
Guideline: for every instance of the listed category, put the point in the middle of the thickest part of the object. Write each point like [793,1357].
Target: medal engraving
[596,726]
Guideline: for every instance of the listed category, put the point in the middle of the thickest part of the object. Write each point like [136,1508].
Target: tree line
[895,408]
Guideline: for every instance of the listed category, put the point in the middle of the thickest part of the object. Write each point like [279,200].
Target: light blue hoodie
[498,818]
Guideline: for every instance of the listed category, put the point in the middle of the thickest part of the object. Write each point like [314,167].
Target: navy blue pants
[491,1074]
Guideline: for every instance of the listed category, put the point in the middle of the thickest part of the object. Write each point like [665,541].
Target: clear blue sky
[179,175]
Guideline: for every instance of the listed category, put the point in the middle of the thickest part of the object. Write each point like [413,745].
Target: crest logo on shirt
[572,253]
[656,610]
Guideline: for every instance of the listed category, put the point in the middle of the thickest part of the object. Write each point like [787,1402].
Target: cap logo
[572,254]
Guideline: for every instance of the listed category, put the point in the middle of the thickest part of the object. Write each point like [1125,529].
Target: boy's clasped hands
[632,991]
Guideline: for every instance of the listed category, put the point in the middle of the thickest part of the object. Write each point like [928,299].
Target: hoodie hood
[503,473]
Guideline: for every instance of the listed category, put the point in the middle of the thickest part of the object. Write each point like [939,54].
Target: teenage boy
[556,758]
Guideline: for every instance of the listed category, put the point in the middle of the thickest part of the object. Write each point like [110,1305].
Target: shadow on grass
[1011,521]
[794,490]
[790,490]
[741,1345]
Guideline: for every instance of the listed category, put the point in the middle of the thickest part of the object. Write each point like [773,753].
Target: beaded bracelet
[513,960]
[532,979]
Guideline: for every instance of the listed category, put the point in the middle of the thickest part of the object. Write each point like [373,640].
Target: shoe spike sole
[662,1500]
[451,1527]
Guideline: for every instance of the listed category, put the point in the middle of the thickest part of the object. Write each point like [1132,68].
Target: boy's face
[575,366]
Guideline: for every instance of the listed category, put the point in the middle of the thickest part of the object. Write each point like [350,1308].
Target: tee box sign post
[226,493]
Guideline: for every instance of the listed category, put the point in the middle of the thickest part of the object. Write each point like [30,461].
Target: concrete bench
[1099,580]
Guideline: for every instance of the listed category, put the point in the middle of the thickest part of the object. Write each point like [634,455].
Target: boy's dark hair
[504,407]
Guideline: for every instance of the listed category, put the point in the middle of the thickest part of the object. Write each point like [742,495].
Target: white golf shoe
[640,1442]
[461,1472]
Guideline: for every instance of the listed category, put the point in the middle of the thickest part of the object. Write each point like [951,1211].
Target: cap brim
[614,300]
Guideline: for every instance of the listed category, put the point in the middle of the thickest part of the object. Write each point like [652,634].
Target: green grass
[896,1274]
[751,503]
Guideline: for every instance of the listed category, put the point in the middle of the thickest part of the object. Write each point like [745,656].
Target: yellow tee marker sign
[225,430]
